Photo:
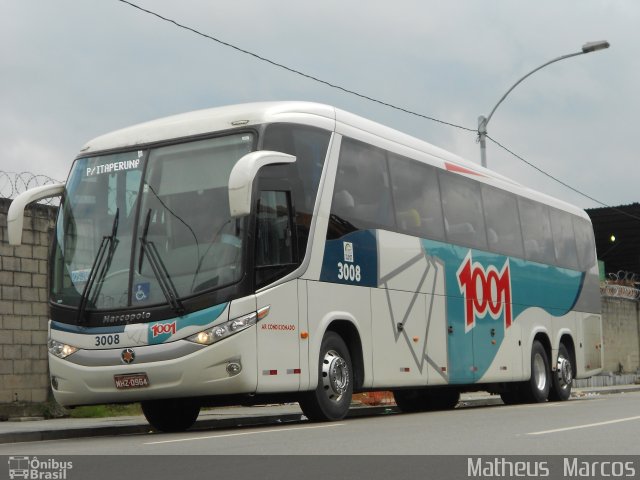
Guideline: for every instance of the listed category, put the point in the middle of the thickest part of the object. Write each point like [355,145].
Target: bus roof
[201,122]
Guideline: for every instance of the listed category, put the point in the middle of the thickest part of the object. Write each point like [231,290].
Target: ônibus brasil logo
[485,290]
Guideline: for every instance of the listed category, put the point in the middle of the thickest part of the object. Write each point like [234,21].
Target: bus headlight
[218,332]
[61,350]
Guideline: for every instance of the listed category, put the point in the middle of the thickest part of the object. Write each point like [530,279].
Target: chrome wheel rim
[564,372]
[335,376]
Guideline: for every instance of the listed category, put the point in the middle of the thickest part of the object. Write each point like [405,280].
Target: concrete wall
[621,335]
[24,314]
[23,307]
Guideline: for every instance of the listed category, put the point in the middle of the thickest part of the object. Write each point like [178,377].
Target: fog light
[54,382]
[234,368]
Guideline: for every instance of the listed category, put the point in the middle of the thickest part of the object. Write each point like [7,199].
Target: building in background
[617,233]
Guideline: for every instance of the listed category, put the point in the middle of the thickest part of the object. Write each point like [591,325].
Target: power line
[363,96]
[564,184]
[293,70]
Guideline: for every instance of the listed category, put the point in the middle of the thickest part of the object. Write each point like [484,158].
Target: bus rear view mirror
[15,216]
[243,174]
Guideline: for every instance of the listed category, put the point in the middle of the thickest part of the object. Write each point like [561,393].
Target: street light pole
[483,121]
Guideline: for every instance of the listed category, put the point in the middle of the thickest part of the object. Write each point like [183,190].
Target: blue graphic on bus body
[157,332]
[474,342]
[162,331]
[352,259]
[485,293]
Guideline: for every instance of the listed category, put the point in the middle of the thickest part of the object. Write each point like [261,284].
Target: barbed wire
[13,184]
[623,277]
[622,284]
[614,290]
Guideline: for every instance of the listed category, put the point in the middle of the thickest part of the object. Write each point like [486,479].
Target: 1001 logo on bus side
[485,290]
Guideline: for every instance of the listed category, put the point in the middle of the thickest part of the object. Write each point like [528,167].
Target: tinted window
[416,197]
[563,239]
[462,207]
[309,146]
[536,231]
[585,243]
[503,221]
[274,248]
[362,197]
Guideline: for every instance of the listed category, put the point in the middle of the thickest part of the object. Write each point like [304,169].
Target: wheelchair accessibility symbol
[141,292]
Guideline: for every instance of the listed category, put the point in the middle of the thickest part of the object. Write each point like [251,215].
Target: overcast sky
[75,69]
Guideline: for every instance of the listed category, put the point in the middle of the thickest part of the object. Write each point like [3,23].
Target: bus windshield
[133,224]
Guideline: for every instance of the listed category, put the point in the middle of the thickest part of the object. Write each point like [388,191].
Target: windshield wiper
[105,252]
[159,269]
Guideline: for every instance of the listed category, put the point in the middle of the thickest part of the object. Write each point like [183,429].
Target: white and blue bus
[295,252]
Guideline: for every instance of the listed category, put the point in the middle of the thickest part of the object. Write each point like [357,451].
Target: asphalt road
[607,424]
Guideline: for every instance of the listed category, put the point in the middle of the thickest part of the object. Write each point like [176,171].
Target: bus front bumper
[209,371]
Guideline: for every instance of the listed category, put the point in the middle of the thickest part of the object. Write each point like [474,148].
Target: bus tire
[562,378]
[172,415]
[537,388]
[331,399]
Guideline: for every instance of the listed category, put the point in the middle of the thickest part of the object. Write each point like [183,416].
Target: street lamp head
[595,46]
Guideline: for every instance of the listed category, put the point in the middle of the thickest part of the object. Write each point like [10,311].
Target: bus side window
[536,231]
[585,243]
[416,198]
[362,194]
[503,222]
[274,232]
[564,239]
[309,146]
[462,208]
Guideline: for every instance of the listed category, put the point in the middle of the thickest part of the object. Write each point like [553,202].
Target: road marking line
[245,433]
[589,425]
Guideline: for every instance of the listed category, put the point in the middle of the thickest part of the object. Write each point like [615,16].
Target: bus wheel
[173,415]
[410,401]
[562,378]
[332,397]
[537,388]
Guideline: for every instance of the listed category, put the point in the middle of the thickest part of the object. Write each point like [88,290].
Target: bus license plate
[135,380]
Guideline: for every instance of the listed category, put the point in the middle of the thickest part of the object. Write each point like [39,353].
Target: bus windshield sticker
[113,167]
[348,252]
[141,292]
[80,276]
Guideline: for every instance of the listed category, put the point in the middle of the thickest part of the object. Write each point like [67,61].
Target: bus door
[279,366]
